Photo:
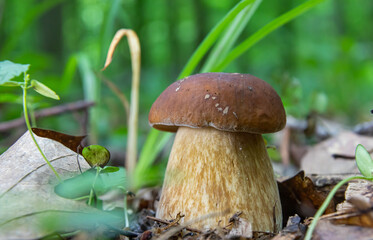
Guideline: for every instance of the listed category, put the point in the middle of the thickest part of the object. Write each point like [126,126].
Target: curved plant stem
[90,199]
[24,88]
[325,204]
[134,45]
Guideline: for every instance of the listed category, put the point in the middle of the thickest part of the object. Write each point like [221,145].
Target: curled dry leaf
[69,141]
[300,196]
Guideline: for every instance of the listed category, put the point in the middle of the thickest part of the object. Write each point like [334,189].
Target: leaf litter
[301,195]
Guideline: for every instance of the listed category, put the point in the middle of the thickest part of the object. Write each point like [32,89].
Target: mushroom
[218,159]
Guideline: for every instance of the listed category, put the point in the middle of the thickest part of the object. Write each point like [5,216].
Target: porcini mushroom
[219,160]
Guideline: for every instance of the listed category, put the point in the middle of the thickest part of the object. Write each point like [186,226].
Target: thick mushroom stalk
[211,171]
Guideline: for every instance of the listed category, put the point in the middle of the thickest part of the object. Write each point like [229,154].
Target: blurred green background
[321,61]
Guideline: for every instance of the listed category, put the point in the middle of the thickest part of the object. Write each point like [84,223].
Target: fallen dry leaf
[326,230]
[321,158]
[69,141]
[26,186]
[294,230]
[358,207]
[300,196]
[241,228]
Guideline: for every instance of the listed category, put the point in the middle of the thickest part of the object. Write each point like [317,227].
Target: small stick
[70,107]
[168,223]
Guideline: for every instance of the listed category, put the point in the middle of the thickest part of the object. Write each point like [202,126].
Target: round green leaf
[364,161]
[96,155]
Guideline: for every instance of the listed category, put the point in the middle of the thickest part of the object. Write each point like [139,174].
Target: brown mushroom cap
[226,101]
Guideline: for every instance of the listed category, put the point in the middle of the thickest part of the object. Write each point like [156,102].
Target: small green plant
[9,71]
[365,164]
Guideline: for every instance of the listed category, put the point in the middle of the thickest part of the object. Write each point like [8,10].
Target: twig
[168,223]
[57,110]
[171,232]
[115,89]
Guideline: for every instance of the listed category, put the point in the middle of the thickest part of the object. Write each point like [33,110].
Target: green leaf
[364,161]
[43,89]
[96,155]
[11,84]
[109,169]
[154,144]
[81,185]
[9,70]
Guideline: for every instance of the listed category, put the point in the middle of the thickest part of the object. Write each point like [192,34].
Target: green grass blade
[267,29]
[91,88]
[155,142]
[107,30]
[224,45]
[211,38]
[68,74]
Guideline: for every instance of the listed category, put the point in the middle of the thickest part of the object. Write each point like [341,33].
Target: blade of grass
[267,29]
[211,38]
[68,74]
[91,88]
[154,144]
[107,29]
[222,47]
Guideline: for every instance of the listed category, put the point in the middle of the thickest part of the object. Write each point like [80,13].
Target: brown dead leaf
[358,188]
[69,141]
[241,228]
[300,196]
[294,230]
[326,230]
[358,207]
[321,158]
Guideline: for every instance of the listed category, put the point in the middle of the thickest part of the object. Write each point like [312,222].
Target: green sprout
[10,70]
[365,164]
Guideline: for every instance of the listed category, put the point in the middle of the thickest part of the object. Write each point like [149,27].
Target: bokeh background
[320,62]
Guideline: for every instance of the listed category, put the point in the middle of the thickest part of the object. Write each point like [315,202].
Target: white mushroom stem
[211,171]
